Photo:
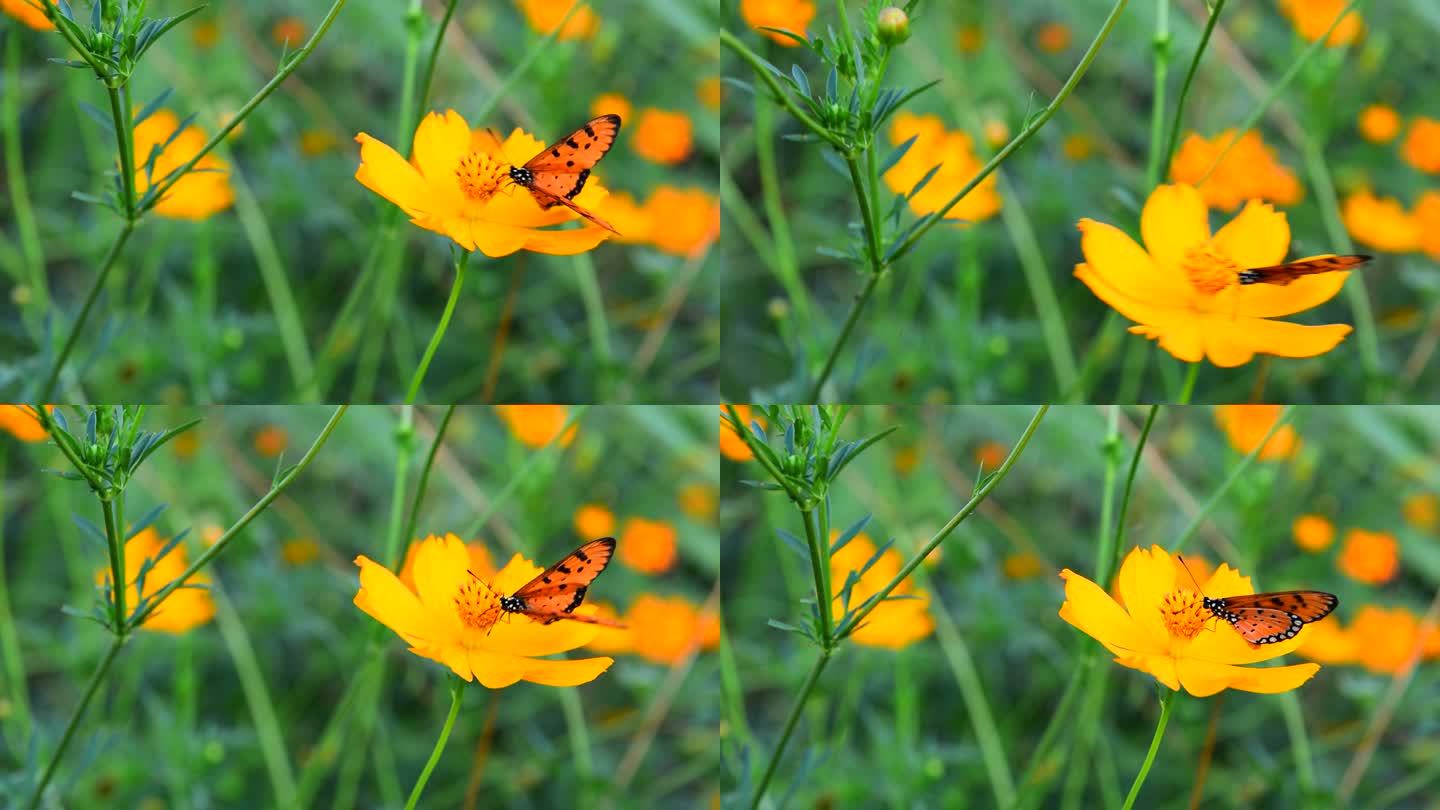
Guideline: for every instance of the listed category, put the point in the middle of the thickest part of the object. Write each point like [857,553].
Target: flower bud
[893,25]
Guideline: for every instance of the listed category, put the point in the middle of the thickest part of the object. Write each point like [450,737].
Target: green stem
[856,307]
[429,74]
[440,328]
[1167,701]
[1188,387]
[115,539]
[596,322]
[786,266]
[10,637]
[796,709]
[31,247]
[425,472]
[781,97]
[819,545]
[268,733]
[1161,44]
[1185,90]
[120,120]
[867,218]
[1104,573]
[520,476]
[1204,511]
[95,679]
[52,377]
[455,695]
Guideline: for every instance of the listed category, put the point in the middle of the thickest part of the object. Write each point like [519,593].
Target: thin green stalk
[1105,540]
[1185,89]
[455,686]
[577,732]
[10,638]
[796,709]
[121,121]
[1104,573]
[856,307]
[95,679]
[597,324]
[115,538]
[26,226]
[1188,388]
[786,265]
[520,476]
[1204,511]
[1167,701]
[429,74]
[268,734]
[815,538]
[440,328]
[1042,289]
[424,479]
[867,215]
[780,96]
[1161,45]
[1299,741]
[47,389]
[1059,719]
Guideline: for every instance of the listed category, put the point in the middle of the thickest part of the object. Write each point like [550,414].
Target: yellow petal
[385,172]
[1222,644]
[440,569]
[1145,578]
[566,242]
[440,143]
[1160,666]
[1231,343]
[1258,236]
[1179,336]
[1088,607]
[388,601]
[521,636]
[1274,301]
[1132,308]
[567,673]
[1124,265]
[495,670]
[1226,581]
[1174,219]
[1201,678]
[458,659]
[495,239]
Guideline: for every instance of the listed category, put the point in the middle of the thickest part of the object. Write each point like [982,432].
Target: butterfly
[556,175]
[561,588]
[1285,273]
[1265,618]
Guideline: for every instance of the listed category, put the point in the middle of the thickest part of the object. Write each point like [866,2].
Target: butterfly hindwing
[1266,618]
[559,589]
[1285,273]
[557,175]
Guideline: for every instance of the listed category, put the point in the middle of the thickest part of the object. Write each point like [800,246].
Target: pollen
[1209,270]
[480,175]
[1183,613]
[476,604]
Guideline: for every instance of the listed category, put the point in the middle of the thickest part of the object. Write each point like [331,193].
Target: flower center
[1183,612]
[476,604]
[1209,270]
[479,176]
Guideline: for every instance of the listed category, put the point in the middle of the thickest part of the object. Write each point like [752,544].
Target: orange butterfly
[1265,618]
[559,172]
[1286,273]
[561,588]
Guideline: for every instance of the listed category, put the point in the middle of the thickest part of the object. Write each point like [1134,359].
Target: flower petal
[1226,581]
[1160,666]
[441,141]
[1230,343]
[1203,679]
[1174,220]
[1124,265]
[566,242]
[1179,336]
[495,670]
[1132,308]
[1145,578]
[522,636]
[1222,644]
[1274,301]
[441,565]
[1258,236]
[385,172]
[1088,607]
[389,602]
[567,673]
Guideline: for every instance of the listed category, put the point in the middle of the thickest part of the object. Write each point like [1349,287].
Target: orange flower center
[480,175]
[1209,270]
[1183,613]
[476,604]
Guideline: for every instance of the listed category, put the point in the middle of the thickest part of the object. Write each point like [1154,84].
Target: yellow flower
[1023,565]
[699,502]
[1312,18]
[1185,290]
[271,440]
[1326,642]
[663,136]
[990,455]
[732,446]
[666,629]
[787,15]
[892,624]
[1053,37]
[997,134]
[689,217]
[955,153]
[1162,628]
[708,91]
[611,103]
[1249,171]
[1422,510]
[21,422]
[1246,425]
[1380,222]
[1421,148]
[648,546]
[186,607]
[593,521]
[537,425]
[970,39]
[1314,533]
[203,191]
[452,185]
[453,617]
[480,561]
[29,12]
[300,551]
[1379,123]
[545,15]
[288,31]
[1077,147]
[1369,557]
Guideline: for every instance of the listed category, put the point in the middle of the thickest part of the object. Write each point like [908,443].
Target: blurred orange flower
[690,217]
[537,425]
[990,455]
[1077,147]
[708,91]
[1379,123]
[607,639]
[316,142]
[648,546]
[300,551]
[906,459]
[892,624]
[665,629]
[288,31]
[1185,291]
[1385,638]
[544,16]
[996,133]
[593,521]
[1022,565]
[271,440]
[1327,642]
[204,34]
[447,616]
[21,422]
[954,152]
[1380,222]
[211,534]
[607,103]
[787,15]
[731,445]
[699,501]
[1314,533]
[1246,425]
[1369,557]
[1422,510]
[452,183]
[1249,171]
[1312,18]
[203,191]
[1053,37]
[663,136]
[29,12]
[187,444]
[969,39]
[1421,148]
[186,607]
[1427,215]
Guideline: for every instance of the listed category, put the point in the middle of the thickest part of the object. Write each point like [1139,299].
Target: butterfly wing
[1267,618]
[1286,273]
[558,173]
[561,588]
[548,200]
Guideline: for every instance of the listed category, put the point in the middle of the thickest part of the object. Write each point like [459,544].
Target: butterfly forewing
[561,588]
[557,175]
[1266,618]
[1285,273]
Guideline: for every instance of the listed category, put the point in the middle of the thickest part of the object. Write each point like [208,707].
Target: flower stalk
[456,685]
[419,377]
[1167,702]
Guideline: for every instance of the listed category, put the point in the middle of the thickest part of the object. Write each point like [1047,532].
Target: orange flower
[1314,533]
[663,136]
[1422,510]
[271,440]
[732,446]
[648,546]
[969,39]
[478,553]
[607,103]
[690,217]
[204,34]
[1053,37]
[1077,147]
[1385,639]
[1023,565]
[187,444]
[997,134]
[29,12]
[1185,290]
[1327,642]
[954,152]
[1369,557]
[990,455]
[593,521]
[203,191]
[1422,145]
[315,142]
[299,552]
[1380,222]
[289,31]
[906,459]
[1249,170]
[699,501]
[1427,216]
[21,422]
[544,16]
[611,640]
[632,220]
[786,15]
[1312,18]
[452,183]
[1379,123]
[666,629]
[537,425]
[211,534]
[1246,425]
[185,608]
[708,91]
[892,624]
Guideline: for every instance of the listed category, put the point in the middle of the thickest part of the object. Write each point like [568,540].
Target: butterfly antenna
[1186,566]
